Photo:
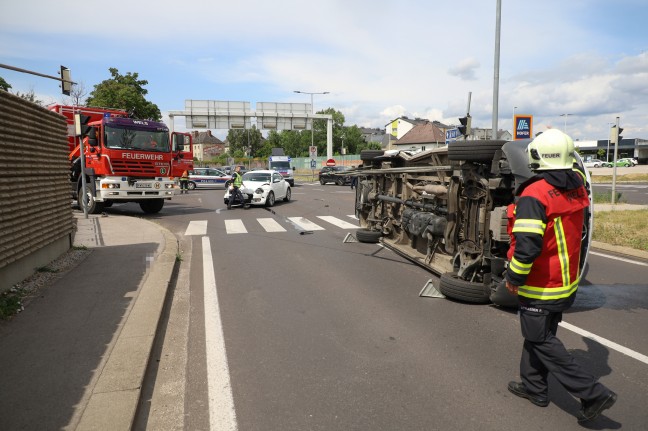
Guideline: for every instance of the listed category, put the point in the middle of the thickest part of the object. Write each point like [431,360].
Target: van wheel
[474,151]
[368,236]
[454,287]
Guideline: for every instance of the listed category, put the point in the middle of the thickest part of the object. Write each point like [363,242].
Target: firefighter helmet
[551,150]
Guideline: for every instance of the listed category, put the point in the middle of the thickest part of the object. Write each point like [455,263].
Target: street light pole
[565,127]
[607,155]
[514,108]
[312,111]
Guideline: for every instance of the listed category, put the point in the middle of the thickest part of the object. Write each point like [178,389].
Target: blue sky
[378,59]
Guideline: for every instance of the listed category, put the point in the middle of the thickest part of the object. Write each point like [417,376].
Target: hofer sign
[523,125]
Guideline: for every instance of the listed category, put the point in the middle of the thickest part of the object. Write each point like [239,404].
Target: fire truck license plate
[143,185]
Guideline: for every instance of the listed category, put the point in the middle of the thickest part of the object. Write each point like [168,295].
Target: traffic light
[66,81]
[615,134]
[81,124]
[464,129]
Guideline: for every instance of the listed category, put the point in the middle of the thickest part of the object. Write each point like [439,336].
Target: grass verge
[623,228]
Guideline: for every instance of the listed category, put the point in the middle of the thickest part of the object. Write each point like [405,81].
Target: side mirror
[92,137]
[293,168]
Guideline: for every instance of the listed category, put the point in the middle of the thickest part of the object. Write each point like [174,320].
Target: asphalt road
[319,334]
[631,193]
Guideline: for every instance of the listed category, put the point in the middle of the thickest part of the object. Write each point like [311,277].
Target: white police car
[208,177]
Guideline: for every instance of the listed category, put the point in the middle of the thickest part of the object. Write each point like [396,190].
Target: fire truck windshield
[136,139]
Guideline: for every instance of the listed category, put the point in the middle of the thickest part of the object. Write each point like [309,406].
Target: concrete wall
[36,221]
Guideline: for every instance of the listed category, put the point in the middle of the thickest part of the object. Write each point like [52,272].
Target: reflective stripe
[529,226]
[582,174]
[519,267]
[561,245]
[548,293]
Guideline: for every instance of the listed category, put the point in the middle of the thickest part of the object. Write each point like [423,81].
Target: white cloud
[378,59]
[466,69]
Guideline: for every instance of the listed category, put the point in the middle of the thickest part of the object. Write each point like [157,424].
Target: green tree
[353,141]
[4,85]
[124,92]
[245,142]
[320,131]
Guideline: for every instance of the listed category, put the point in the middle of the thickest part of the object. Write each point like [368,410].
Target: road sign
[312,151]
[313,164]
[523,125]
[330,162]
[451,135]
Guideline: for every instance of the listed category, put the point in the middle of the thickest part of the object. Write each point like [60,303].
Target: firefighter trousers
[544,353]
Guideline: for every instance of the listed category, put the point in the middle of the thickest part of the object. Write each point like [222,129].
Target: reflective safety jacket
[237,179]
[546,226]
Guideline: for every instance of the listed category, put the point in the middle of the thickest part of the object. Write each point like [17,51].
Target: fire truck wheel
[152,206]
[94,207]
[456,288]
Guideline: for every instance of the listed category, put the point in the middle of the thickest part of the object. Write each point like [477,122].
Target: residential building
[423,136]
[206,146]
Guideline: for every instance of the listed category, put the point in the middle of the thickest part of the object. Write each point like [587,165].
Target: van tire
[467,291]
[474,151]
[368,236]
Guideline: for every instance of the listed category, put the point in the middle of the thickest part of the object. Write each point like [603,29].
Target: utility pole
[498,25]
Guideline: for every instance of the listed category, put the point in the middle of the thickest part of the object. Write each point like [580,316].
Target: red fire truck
[182,147]
[126,160]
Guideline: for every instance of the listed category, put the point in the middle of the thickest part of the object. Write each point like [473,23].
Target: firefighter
[184,182]
[545,225]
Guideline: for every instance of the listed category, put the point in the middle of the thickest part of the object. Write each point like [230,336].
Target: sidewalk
[76,358]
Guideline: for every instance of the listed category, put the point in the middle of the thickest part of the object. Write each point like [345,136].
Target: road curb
[620,249]
[114,400]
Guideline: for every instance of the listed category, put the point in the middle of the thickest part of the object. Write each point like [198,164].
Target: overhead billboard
[523,126]
[283,116]
[216,114]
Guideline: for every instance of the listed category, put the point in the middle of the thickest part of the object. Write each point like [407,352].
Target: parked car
[334,174]
[229,169]
[593,163]
[207,177]
[631,162]
[625,163]
[445,209]
[263,187]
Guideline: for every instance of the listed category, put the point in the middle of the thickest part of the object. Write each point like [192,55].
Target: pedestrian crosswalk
[269,224]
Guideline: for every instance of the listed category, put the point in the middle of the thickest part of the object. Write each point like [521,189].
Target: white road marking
[607,343]
[305,223]
[222,415]
[196,227]
[622,259]
[353,216]
[337,222]
[270,225]
[235,226]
